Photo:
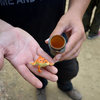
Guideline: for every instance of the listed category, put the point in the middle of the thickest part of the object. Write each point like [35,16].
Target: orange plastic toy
[42,62]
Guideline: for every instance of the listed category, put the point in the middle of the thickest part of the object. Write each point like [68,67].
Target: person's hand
[19,48]
[71,24]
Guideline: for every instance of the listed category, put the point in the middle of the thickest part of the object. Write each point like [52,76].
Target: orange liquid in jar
[57,42]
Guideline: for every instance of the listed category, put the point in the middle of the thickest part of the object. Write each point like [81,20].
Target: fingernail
[47,40]
[39,85]
[55,70]
[55,78]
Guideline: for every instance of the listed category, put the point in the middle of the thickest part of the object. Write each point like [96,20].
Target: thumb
[57,31]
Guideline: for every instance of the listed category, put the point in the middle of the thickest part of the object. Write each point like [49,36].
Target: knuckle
[81,31]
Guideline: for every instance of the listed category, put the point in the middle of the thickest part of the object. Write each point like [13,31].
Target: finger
[71,57]
[51,69]
[69,49]
[28,76]
[60,28]
[73,51]
[42,53]
[72,42]
[75,55]
[45,74]
[46,41]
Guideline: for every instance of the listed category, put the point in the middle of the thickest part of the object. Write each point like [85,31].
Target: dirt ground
[14,87]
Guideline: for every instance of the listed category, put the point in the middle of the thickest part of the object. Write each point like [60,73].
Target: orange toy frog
[42,62]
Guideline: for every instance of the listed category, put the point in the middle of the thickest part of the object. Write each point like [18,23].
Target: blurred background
[14,87]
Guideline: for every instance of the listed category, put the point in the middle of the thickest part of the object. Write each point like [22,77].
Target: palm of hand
[23,49]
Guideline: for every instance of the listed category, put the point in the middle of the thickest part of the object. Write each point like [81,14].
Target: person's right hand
[19,48]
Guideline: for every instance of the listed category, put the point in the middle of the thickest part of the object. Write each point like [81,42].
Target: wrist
[78,7]
[5,39]
[73,15]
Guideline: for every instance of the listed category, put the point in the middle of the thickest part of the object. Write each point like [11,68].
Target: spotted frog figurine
[41,62]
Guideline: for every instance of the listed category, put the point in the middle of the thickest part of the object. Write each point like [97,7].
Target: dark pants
[39,19]
[94,26]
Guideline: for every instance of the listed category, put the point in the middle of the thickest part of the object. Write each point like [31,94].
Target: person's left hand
[71,24]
